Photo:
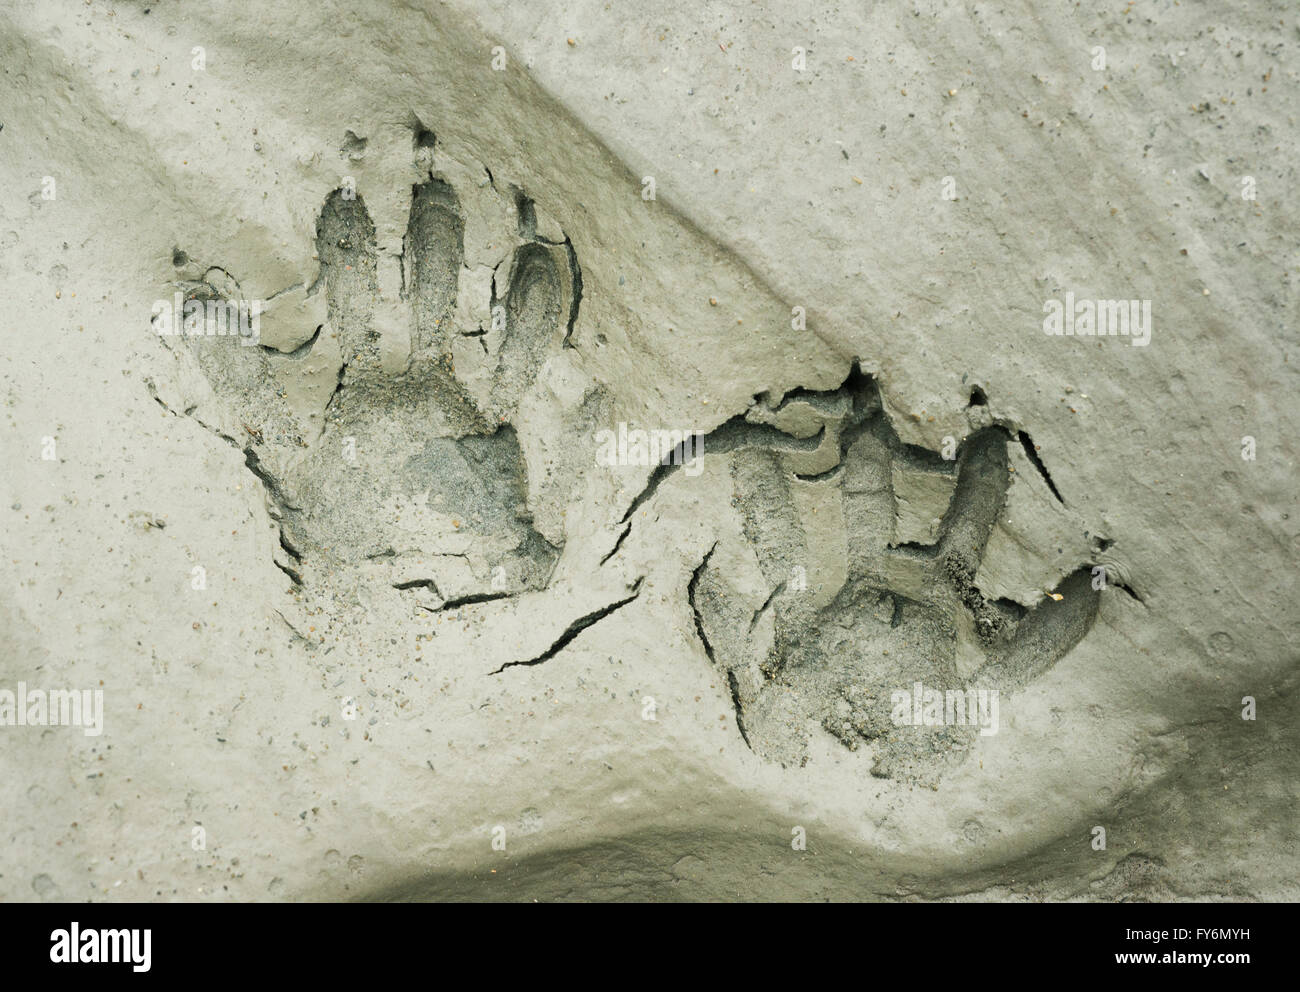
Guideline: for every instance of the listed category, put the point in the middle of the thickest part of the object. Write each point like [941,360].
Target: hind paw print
[854,574]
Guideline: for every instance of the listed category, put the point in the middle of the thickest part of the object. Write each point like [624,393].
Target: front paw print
[383,425]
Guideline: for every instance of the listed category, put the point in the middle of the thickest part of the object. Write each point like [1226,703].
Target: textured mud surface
[651,478]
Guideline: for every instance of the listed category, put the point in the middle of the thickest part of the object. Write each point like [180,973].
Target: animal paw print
[897,601]
[382,424]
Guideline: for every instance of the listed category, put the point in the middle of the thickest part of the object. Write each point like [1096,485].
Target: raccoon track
[385,454]
[908,610]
